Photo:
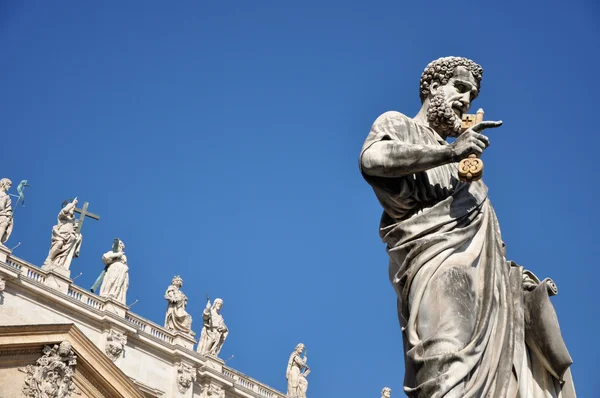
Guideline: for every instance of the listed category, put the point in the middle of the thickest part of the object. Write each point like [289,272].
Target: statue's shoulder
[392,116]
[392,120]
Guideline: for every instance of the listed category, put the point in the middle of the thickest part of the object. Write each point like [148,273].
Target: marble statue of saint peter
[473,323]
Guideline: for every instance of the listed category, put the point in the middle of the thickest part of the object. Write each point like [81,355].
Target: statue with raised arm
[296,373]
[116,278]
[214,331]
[6,211]
[177,319]
[471,322]
[66,242]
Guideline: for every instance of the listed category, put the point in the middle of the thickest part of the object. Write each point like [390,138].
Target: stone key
[471,168]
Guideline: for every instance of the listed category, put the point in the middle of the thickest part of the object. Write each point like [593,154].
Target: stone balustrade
[100,306]
[248,383]
[86,297]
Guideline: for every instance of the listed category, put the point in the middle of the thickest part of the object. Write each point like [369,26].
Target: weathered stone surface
[186,376]
[296,372]
[214,331]
[6,212]
[177,318]
[66,242]
[115,344]
[461,303]
[116,280]
[52,374]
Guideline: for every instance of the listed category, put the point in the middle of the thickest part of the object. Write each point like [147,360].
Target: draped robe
[297,382]
[177,318]
[6,220]
[116,279]
[461,304]
[214,332]
[66,243]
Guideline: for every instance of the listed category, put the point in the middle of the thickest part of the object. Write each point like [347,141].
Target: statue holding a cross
[66,236]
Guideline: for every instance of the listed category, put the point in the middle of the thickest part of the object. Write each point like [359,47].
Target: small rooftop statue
[471,321]
[65,240]
[177,319]
[114,279]
[386,392]
[214,331]
[296,372]
[6,211]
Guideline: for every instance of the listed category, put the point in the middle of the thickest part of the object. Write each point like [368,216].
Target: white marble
[115,344]
[177,319]
[386,392]
[470,327]
[214,331]
[116,280]
[66,242]
[186,376]
[6,213]
[52,374]
[296,372]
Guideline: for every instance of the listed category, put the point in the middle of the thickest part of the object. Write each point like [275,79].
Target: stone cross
[83,214]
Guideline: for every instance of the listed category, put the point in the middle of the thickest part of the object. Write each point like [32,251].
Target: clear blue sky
[219,140]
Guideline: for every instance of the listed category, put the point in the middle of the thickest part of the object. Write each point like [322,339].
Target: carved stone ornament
[211,391]
[2,284]
[115,344]
[186,376]
[52,374]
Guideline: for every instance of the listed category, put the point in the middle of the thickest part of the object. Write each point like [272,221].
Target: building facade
[60,340]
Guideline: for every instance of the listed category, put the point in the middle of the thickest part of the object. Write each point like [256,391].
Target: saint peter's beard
[442,117]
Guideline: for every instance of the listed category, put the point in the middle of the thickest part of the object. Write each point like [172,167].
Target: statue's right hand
[471,141]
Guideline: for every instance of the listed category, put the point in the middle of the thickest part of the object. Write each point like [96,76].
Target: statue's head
[386,392]
[448,85]
[177,281]
[299,348]
[121,246]
[5,184]
[64,349]
[218,304]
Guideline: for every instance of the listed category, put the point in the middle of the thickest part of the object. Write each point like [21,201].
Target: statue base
[185,339]
[4,253]
[57,269]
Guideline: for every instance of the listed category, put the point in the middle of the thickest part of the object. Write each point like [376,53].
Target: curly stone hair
[442,69]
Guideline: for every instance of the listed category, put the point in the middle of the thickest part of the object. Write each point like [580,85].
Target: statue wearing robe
[66,242]
[214,331]
[177,319]
[471,325]
[6,218]
[296,377]
[116,278]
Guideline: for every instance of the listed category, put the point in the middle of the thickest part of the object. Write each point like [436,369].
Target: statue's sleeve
[106,258]
[389,126]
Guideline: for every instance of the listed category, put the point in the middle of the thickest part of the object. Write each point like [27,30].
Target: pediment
[93,373]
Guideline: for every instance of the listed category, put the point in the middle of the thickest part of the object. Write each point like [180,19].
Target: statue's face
[5,186]
[218,305]
[300,349]
[64,348]
[387,393]
[449,102]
